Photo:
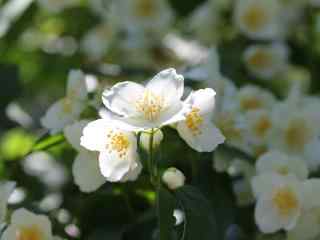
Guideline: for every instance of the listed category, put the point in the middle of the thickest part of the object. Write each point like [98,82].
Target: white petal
[86,172]
[114,168]
[203,99]
[265,216]
[121,98]
[24,218]
[73,133]
[60,114]
[6,188]
[167,84]
[278,162]
[133,173]
[94,135]
[77,88]
[206,141]
[311,193]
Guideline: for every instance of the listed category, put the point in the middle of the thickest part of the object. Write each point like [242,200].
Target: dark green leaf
[165,207]
[200,223]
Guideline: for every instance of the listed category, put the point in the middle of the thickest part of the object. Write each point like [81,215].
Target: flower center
[260,59]
[29,233]
[251,103]
[297,135]
[194,121]
[227,124]
[262,126]
[285,201]
[151,105]
[145,8]
[118,142]
[283,170]
[255,17]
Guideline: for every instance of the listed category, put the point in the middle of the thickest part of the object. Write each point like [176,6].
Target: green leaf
[200,223]
[165,207]
[47,141]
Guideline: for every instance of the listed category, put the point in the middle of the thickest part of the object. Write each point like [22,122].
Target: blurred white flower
[259,19]
[307,228]
[279,202]
[251,97]
[56,6]
[118,157]
[198,129]
[27,225]
[6,188]
[204,22]
[68,109]
[281,163]
[147,15]
[295,128]
[264,61]
[315,3]
[152,106]
[85,168]
[98,40]
[173,178]
[258,126]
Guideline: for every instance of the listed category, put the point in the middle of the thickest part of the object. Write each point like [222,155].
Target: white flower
[307,227]
[85,168]
[151,106]
[259,19]
[173,178]
[198,129]
[277,162]
[251,97]
[315,3]
[118,157]
[6,188]
[151,15]
[56,6]
[98,40]
[264,61]
[204,22]
[295,128]
[27,225]
[279,202]
[68,109]
[259,125]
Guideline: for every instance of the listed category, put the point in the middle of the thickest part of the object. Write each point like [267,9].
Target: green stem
[151,159]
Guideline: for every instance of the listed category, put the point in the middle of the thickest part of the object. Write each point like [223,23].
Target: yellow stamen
[145,8]
[262,126]
[151,105]
[194,121]
[118,143]
[260,59]
[255,17]
[29,233]
[285,201]
[297,135]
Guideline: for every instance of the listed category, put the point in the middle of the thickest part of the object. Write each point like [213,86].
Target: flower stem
[151,159]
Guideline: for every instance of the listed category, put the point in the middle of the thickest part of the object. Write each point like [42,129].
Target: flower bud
[145,139]
[173,178]
[179,216]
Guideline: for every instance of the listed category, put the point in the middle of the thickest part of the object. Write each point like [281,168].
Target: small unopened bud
[145,139]
[173,178]
[179,216]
